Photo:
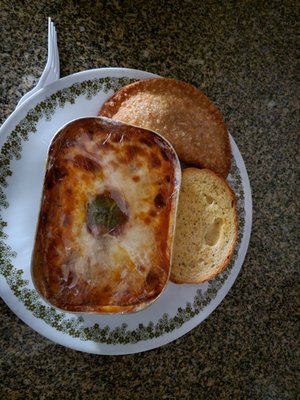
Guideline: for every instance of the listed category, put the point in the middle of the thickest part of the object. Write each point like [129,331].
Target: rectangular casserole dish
[107,218]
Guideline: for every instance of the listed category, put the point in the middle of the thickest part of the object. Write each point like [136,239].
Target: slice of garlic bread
[206,227]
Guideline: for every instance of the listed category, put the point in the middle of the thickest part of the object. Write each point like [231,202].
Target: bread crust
[181,113]
[176,277]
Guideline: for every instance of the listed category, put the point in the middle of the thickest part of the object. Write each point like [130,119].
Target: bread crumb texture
[206,227]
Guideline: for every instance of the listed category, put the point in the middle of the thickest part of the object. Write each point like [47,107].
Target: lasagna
[107,217]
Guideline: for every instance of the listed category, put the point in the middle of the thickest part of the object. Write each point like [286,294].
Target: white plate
[24,141]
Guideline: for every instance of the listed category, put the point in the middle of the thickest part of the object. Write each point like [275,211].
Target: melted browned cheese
[78,267]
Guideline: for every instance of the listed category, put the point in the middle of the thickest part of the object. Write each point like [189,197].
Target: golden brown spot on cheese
[153,213]
[70,278]
[87,163]
[130,152]
[103,147]
[67,219]
[146,142]
[144,216]
[86,178]
[118,136]
[67,143]
[147,220]
[54,175]
[117,275]
[69,191]
[141,268]
[107,292]
[136,178]
[154,161]
[113,164]
[159,201]
[152,279]
[90,133]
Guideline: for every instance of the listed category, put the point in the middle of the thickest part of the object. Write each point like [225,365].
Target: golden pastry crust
[106,222]
[179,112]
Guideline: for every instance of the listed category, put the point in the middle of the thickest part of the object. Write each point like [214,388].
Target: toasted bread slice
[206,227]
[179,112]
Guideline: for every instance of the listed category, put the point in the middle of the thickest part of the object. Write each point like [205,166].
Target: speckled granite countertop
[243,55]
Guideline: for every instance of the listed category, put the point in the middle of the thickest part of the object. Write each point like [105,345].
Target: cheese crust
[81,264]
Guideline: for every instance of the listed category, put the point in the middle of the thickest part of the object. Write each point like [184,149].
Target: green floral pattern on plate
[67,323]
